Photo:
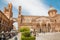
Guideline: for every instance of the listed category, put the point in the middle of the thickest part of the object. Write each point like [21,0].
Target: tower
[19,17]
[52,11]
[8,11]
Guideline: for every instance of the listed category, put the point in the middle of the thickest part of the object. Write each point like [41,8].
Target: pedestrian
[15,38]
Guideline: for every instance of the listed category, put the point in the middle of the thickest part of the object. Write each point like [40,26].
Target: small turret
[52,11]
[5,9]
[10,9]
[10,6]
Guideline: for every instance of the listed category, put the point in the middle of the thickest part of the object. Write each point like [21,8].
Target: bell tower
[8,11]
[52,11]
[19,17]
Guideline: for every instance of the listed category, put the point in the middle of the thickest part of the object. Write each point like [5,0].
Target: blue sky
[31,7]
[54,3]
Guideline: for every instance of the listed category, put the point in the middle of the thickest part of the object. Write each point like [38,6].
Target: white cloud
[33,6]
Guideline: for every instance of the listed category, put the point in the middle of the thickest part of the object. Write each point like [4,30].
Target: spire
[4,9]
[10,5]
[19,9]
[51,6]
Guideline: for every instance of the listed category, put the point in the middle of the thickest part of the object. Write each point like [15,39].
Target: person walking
[15,38]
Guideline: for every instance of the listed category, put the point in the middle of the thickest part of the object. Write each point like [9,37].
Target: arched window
[40,30]
[48,25]
[43,24]
[38,25]
[55,20]
[0,23]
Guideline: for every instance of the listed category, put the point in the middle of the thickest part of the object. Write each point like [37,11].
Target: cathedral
[6,19]
[49,23]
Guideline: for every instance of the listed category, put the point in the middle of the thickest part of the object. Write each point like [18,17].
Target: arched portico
[43,24]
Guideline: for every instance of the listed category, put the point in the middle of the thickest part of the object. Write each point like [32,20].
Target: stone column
[47,27]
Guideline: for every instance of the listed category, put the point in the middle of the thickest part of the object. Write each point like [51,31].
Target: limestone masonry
[49,23]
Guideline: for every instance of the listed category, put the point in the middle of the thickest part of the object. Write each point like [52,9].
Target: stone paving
[42,36]
[48,36]
[18,37]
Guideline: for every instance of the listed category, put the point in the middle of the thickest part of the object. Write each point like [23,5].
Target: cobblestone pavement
[48,36]
[42,36]
[18,37]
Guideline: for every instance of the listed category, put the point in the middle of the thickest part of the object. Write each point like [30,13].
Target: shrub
[26,34]
[25,28]
[28,38]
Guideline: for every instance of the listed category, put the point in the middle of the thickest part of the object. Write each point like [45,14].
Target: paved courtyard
[48,36]
[42,36]
[18,37]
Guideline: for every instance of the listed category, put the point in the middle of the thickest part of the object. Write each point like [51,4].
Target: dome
[52,8]
[52,11]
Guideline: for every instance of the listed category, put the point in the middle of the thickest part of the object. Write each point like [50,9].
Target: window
[48,25]
[38,25]
[55,20]
[43,24]
[0,22]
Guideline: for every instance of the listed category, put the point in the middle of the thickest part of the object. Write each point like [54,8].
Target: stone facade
[6,22]
[49,23]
